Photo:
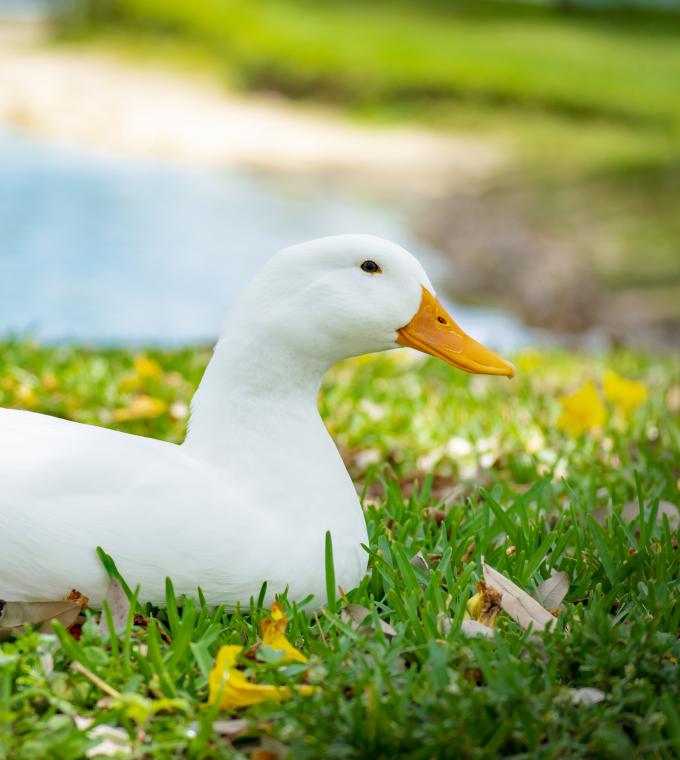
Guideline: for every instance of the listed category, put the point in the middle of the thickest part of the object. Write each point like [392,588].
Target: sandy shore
[103,102]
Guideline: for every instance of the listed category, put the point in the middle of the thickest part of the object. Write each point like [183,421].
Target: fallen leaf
[521,607]
[114,740]
[631,511]
[78,598]
[119,606]
[472,628]
[587,695]
[265,754]
[420,562]
[355,614]
[15,615]
[232,729]
[552,591]
[46,663]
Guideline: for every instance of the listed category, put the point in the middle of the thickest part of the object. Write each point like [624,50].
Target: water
[99,250]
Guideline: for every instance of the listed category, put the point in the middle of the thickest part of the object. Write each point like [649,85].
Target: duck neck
[254,393]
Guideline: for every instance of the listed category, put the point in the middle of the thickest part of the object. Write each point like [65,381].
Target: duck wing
[66,488]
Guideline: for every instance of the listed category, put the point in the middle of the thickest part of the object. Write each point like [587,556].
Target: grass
[451,466]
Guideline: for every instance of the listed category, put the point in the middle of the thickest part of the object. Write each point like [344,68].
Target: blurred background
[154,153]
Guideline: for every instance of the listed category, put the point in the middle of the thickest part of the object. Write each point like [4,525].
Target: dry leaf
[631,511]
[355,614]
[553,590]
[232,729]
[472,628]
[15,615]
[119,606]
[78,598]
[420,562]
[521,607]
[113,741]
[587,696]
[47,663]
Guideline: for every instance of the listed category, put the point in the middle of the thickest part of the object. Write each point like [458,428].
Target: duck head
[348,295]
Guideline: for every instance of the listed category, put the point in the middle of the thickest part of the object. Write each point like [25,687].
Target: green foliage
[422,438]
[620,68]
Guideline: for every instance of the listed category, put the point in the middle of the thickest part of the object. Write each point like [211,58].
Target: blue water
[99,250]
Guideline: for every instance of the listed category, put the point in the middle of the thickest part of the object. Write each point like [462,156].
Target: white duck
[250,494]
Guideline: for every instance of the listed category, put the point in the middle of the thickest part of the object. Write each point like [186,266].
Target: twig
[95,679]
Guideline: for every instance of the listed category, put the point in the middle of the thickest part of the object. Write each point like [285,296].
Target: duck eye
[371,267]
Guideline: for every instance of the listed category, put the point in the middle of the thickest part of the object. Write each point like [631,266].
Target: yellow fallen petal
[626,394]
[581,411]
[141,408]
[484,606]
[273,629]
[473,607]
[26,396]
[146,367]
[233,689]
[278,641]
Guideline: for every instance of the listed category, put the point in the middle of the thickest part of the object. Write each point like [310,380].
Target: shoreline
[98,101]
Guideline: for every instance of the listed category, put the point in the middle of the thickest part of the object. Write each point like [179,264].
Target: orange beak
[434,332]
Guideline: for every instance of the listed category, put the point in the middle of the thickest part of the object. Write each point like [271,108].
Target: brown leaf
[119,606]
[521,607]
[355,614]
[485,605]
[78,598]
[265,754]
[15,615]
[553,590]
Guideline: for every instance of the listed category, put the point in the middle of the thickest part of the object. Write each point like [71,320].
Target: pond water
[102,250]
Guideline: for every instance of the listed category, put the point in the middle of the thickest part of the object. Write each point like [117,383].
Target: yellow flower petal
[146,367]
[141,408]
[581,411]
[279,642]
[484,606]
[26,396]
[626,394]
[273,629]
[233,689]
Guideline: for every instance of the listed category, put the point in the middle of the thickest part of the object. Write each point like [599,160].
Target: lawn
[455,471]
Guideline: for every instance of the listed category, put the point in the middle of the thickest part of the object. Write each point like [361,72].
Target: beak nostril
[441,321]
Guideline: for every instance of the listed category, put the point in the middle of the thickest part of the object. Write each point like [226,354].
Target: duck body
[250,494]
[160,510]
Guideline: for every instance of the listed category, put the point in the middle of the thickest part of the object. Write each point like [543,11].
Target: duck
[248,497]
